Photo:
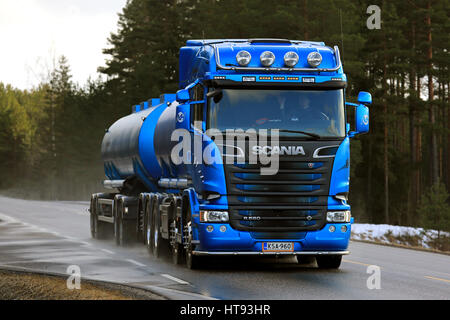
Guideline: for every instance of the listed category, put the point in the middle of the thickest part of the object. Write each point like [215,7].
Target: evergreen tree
[434,209]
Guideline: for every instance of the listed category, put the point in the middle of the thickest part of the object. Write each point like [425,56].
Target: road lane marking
[108,251]
[30,242]
[356,262]
[168,276]
[7,219]
[439,279]
[136,263]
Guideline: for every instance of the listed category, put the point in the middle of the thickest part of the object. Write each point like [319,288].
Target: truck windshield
[317,112]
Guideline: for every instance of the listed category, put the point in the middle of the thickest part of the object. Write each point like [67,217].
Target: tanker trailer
[250,157]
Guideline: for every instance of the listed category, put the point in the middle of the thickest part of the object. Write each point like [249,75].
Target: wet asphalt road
[51,236]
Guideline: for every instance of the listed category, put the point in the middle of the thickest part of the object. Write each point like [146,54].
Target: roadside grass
[16,285]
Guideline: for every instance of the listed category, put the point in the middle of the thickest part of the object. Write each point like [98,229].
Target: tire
[192,262]
[157,243]
[148,226]
[329,262]
[100,230]
[176,248]
[117,222]
[104,230]
[126,232]
[93,217]
[140,219]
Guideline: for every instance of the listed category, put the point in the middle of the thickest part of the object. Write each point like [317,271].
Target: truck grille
[295,199]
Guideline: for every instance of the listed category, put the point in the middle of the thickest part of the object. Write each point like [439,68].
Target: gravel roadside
[15,285]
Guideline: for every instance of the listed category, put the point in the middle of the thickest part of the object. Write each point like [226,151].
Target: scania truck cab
[250,157]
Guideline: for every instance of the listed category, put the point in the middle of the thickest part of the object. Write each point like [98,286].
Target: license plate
[278,246]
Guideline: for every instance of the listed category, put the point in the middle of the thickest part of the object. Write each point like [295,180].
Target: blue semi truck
[275,183]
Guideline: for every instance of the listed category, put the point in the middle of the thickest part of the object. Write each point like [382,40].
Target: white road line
[168,276]
[84,243]
[30,242]
[108,251]
[136,263]
[6,218]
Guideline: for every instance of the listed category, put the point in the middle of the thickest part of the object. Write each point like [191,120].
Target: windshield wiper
[301,132]
[217,95]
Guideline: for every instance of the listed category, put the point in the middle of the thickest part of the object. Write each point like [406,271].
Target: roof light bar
[234,68]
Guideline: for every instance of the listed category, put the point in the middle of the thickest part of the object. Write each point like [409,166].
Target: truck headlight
[214,216]
[339,216]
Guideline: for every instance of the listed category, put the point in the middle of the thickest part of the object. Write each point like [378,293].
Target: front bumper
[233,242]
[252,253]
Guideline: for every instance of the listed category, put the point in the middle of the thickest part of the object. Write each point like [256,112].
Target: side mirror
[361,114]
[361,119]
[364,98]
[183,95]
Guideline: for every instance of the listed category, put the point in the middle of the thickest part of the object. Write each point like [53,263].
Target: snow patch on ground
[388,234]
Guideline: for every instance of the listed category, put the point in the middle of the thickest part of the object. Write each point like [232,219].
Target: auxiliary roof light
[291,59]
[314,59]
[267,58]
[243,58]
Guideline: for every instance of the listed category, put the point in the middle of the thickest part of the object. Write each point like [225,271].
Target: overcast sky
[33,32]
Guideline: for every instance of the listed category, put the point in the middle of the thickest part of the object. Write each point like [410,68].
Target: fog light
[210,228]
[223,228]
[332,228]
[344,229]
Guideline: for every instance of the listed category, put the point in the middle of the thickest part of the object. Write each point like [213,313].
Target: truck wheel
[177,254]
[99,229]
[148,228]
[192,262]
[117,221]
[140,225]
[329,262]
[93,217]
[124,229]
[157,244]
[126,232]
[103,230]
[177,248]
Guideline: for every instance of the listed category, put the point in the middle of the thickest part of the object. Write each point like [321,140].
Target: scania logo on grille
[283,150]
